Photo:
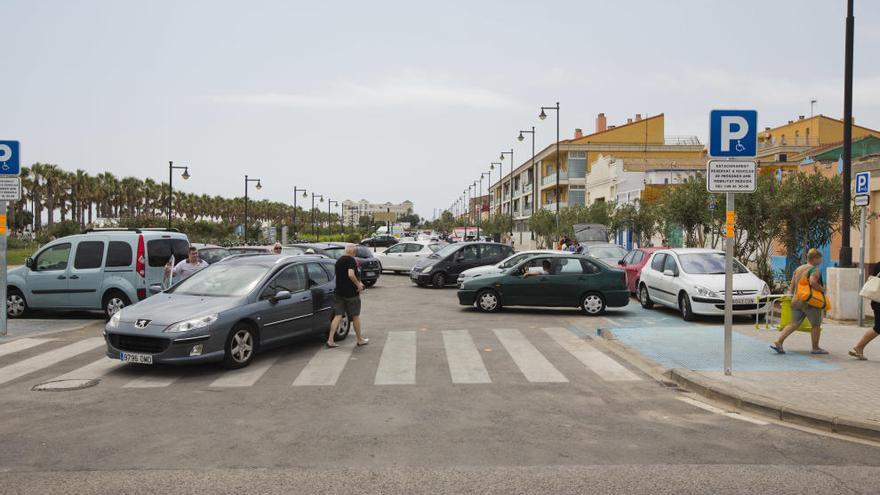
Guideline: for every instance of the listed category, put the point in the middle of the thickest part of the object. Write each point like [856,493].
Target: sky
[397,100]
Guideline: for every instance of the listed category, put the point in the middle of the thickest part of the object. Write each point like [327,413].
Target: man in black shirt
[346,299]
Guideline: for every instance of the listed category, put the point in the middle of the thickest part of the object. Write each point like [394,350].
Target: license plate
[743,300]
[370,274]
[128,357]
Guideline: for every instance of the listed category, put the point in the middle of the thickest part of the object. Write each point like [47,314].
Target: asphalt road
[552,411]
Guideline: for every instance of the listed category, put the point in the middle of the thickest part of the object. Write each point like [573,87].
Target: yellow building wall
[820,129]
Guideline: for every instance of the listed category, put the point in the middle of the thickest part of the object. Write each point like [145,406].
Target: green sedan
[550,280]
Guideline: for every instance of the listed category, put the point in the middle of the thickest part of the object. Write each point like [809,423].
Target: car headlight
[427,268]
[702,291]
[115,319]
[766,290]
[187,325]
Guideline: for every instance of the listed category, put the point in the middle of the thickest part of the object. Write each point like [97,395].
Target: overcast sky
[398,100]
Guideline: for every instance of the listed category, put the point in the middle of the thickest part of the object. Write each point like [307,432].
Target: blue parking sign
[9,164]
[733,133]
[863,183]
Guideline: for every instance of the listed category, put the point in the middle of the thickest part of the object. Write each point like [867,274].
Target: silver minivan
[100,269]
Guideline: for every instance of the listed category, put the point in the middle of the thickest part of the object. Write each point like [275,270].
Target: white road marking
[20,345]
[40,361]
[715,410]
[465,363]
[397,365]
[151,382]
[325,366]
[528,359]
[607,368]
[609,320]
[93,370]
[245,377]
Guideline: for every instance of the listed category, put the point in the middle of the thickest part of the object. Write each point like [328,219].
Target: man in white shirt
[544,269]
[192,264]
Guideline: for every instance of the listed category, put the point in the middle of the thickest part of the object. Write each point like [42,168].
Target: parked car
[369,267]
[228,312]
[100,269]
[403,256]
[330,249]
[285,250]
[380,241]
[501,265]
[605,251]
[211,253]
[444,266]
[573,281]
[633,263]
[692,281]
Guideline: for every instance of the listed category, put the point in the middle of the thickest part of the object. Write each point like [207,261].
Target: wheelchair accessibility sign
[733,133]
[9,164]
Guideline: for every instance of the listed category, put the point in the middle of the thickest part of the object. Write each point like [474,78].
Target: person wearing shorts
[346,297]
[858,351]
[800,309]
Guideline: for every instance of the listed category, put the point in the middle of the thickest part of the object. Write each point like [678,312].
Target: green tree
[687,206]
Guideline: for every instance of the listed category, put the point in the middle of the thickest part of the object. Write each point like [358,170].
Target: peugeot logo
[142,323]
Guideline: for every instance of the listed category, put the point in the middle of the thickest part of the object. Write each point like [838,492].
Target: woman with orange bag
[808,301]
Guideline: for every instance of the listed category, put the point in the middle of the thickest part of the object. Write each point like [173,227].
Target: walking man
[858,351]
[186,268]
[809,273]
[347,299]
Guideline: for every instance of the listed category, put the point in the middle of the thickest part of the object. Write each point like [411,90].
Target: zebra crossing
[397,363]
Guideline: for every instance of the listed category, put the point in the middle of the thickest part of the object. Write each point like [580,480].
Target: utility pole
[845,247]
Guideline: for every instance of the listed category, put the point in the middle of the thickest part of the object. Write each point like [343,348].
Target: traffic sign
[731,176]
[863,183]
[9,163]
[733,133]
[10,188]
[862,200]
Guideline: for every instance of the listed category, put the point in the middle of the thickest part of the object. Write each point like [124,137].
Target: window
[330,268]
[434,247]
[159,251]
[637,258]
[291,279]
[468,253]
[491,251]
[589,267]
[364,252]
[119,254]
[577,164]
[54,258]
[89,254]
[657,262]
[670,264]
[567,266]
[628,259]
[317,275]
[213,255]
[413,248]
[397,248]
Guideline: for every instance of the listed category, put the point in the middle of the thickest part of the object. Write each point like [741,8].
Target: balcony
[527,189]
[552,206]
[551,179]
[527,211]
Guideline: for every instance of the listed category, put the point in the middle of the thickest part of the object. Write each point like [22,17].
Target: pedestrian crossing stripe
[396,364]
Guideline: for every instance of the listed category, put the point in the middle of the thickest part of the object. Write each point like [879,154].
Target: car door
[567,280]
[86,279]
[491,254]
[670,282]
[527,291]
[652,275]
[392,258]
[466,257]
[322,293]
[412,254]
[47,281]
[291,317]
[632,269]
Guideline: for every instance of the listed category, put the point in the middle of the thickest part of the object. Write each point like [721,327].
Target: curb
[744,401]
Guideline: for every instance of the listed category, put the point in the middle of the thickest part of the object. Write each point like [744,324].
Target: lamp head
[501,157]
[185,174]
[520,137]
[543,115]
[305,194]
[492,166]
[259,185]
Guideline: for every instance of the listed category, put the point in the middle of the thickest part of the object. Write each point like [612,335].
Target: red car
[633,262]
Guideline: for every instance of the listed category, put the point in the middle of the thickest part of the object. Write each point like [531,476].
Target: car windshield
[221,280]
[513,260]
[445,251]
[435,247]
[707,264]
[615,252]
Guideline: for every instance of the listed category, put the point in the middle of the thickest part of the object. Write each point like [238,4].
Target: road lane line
[465,363]
[20,345]
[397,365]
[93,370]
[607,368]
[151,382]
[528,359]
[715,410]
[40,361]
[325,366]
[245,377]
[609,320]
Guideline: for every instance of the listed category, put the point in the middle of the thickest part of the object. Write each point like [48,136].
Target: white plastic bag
[871,289]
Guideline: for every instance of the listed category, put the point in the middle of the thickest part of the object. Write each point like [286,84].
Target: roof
[268,260]
[692,250]
[612,129]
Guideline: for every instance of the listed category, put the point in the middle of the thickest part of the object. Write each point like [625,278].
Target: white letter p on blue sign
[733,133]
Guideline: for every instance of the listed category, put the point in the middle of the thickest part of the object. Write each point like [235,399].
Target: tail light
[140,267]
[142,294]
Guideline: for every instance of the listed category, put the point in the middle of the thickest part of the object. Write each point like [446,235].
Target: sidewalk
[833,391]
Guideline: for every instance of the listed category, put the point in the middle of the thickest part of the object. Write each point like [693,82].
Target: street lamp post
[543,116]
[509,187]
[295,191]
[259,186]
[480,218]
[534,173]
[845,255]
[500,189]
[185,176]
[314,233]
[329,202]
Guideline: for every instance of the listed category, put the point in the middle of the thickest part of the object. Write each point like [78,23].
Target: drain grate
[65,385]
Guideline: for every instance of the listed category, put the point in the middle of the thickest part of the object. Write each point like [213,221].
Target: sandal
[819,351]
[858,355]
[332,344]
[363,342]
[778,349]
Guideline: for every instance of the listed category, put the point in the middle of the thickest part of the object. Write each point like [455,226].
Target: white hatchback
[692,281]
[402,256]
[502,265]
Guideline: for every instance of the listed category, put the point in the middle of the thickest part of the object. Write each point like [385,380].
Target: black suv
[442,268]
[380,241]
[368,265]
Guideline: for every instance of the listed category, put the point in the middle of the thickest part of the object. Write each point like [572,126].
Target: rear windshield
[213,255]
[159,251]
[614,252]
[334,252]
[222,280]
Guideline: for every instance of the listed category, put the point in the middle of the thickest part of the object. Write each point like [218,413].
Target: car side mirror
[280,296]
[29,262]
[669,273]
[156,288]
[621,263]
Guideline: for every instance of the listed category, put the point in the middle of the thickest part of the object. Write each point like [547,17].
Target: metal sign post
[862,200]
[728,285]
[10,189]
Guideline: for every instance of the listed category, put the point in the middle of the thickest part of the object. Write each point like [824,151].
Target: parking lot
[440,388]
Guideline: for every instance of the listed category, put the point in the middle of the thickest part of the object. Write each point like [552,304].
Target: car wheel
[488,301]
[16,306]
[241,345]
[644,298]
[113,303]
[438,280]
[369,283]
[593,304]
[684,306]
[343,329]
